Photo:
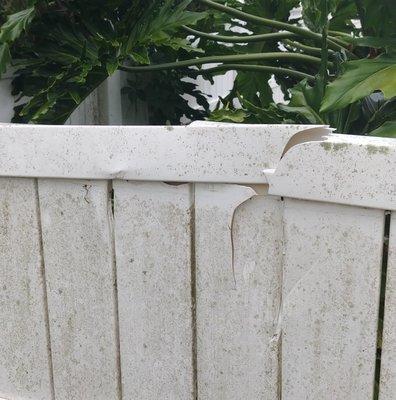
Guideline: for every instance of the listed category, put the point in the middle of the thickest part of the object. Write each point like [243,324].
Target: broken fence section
[205,262]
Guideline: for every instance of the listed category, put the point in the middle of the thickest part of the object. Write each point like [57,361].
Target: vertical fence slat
[6,99]
[88,112]
[79,271]
[237,304]
[153,250]
[331,278]
[388,361]
[24,362]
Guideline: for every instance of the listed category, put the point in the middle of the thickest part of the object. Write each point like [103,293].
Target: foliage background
[335,64]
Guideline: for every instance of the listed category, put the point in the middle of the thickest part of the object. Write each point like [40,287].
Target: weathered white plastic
[207,262]
[355,170]
[208,153]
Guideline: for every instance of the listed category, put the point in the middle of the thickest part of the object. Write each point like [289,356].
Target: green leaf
[343,15]
[178,44]
[112,66]
[160,22]
[371,41]
[313,14]
[304,102]
[376,111]
[361,77]
[268,115]
[75,96]
[237,116]
[16,24]
[388,129]
[140,56]
[379,17]
[254,87]
[5,57]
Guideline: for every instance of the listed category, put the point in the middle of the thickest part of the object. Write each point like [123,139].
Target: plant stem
[325,50]
[223,59]
[338,33]
[308,49]
[259,68]
[338,42]
[240,39]
[269,22]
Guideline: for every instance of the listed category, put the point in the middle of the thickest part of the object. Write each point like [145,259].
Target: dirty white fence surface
[208,262]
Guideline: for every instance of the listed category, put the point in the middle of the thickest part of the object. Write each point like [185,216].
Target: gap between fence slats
[388,360]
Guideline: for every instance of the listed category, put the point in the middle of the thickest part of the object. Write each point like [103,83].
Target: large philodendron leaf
[11,30]
[5,57]
[361,77]
[388,129]
[315,12]
[343,15]
[304,102]
[160,23]
[70,47]
[379,17]
[16,24]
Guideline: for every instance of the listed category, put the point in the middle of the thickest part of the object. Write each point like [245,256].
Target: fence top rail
[344,169]
[299,161]
[201,152]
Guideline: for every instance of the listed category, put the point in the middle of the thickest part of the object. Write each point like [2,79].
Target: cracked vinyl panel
[343,169]
[237,309]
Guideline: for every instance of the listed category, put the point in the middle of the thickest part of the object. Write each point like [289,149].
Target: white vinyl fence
[107,105]
[6,99]
[209,262]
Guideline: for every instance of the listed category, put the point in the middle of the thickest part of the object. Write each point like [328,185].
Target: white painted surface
[237,303]
[88,112]
[356,170]
[24,357]
[80,284]
[213,153]
[103,106]
[153,247]
[6,99]
[388,365]
[286,300]
[331,282]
